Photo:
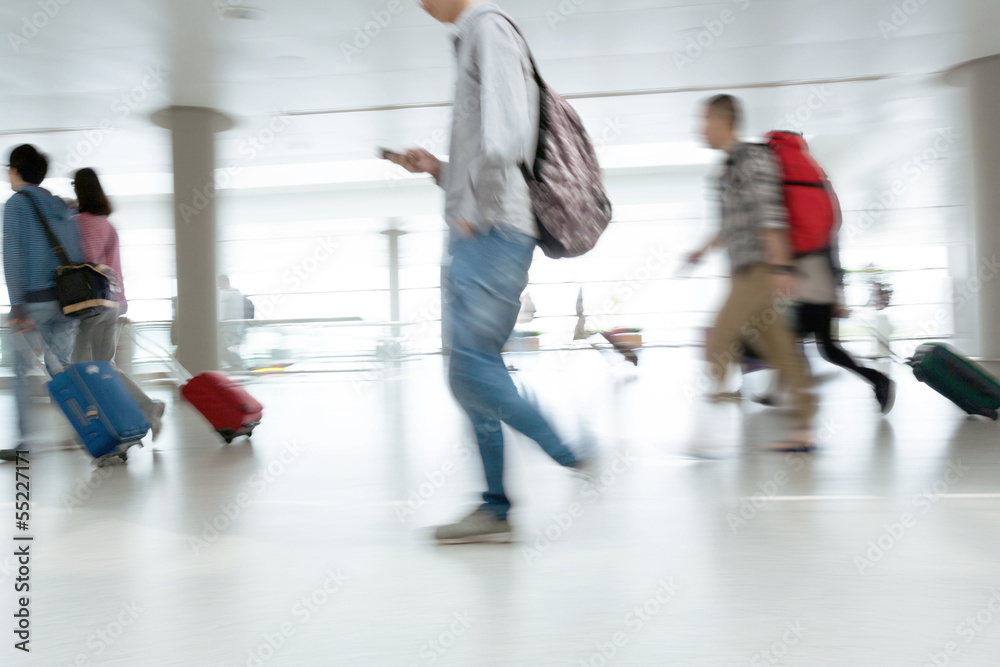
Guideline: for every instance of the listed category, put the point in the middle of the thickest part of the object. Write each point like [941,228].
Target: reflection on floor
[309,546]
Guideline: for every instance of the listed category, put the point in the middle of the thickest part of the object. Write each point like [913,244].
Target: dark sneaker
[800,440]
[11,454]
[767,400]
[885,393]
[586,453]
[480,526]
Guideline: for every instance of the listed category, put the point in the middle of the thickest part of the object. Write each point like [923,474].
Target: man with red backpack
[814,220]
[754,230]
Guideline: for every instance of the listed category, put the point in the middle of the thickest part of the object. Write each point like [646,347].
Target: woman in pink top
[97,337]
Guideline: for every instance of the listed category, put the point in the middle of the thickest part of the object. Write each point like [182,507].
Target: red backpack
[812,205]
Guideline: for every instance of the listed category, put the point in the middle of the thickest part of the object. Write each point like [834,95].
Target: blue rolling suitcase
[97,403]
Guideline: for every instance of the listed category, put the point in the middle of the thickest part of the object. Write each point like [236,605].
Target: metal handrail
[338,322]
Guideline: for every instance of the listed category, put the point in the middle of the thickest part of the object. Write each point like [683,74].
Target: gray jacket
[494,125]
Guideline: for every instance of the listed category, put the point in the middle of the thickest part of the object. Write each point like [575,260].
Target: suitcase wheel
[993,414]
[228,435]
[111,459]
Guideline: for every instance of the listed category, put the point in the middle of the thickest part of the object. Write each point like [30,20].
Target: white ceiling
[75,73]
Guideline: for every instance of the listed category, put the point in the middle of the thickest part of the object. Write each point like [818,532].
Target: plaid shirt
[750,201]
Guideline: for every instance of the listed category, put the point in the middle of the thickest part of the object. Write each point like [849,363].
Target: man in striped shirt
[754,228]
[29,268]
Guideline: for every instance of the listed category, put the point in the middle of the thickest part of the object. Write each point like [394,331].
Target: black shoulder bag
[83,289]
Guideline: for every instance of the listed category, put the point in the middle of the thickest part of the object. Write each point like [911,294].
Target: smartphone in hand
[388,153]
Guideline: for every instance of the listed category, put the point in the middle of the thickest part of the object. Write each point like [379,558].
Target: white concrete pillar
[193,132]
[981,77]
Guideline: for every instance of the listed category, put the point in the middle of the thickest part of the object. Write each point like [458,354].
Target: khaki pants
[749,314]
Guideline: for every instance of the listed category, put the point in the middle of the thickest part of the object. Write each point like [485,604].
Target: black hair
[90,195]
[728,107]
[31,165]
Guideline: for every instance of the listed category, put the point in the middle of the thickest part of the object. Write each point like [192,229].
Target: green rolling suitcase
[963,382]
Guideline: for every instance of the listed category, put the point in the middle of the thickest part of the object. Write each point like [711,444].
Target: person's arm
[838,219]
[508,126]
[420,161]
[695,257]
[14,257]
[776,250]
[768,208]
[840,308]
[113,254]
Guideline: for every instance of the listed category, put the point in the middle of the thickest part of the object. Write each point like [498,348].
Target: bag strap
[57,246]
[527,48]
[529,174]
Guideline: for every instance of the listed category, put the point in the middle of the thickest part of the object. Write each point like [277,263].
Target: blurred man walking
[493,237]
[753,229]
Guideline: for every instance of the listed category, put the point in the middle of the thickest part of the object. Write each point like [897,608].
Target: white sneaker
[156,419]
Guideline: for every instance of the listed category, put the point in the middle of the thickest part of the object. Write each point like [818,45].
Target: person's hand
[783,284]
[464,228]
[23,325]
[694,258]
[841,312]
[417,161]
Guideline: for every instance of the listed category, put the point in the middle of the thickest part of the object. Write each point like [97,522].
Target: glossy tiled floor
[309,546]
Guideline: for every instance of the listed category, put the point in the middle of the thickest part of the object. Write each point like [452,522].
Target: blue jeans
[483,290]
[55,333]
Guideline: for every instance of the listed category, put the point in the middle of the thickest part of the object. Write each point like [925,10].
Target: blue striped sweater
[28,260]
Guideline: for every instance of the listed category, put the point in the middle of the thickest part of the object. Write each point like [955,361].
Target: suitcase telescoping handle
[888,345]
[160,352]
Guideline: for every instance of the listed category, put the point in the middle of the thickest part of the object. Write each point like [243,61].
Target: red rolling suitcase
[225,403]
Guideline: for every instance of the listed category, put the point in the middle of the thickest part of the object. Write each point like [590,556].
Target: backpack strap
[531,174]
[56,245]
[527,48]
